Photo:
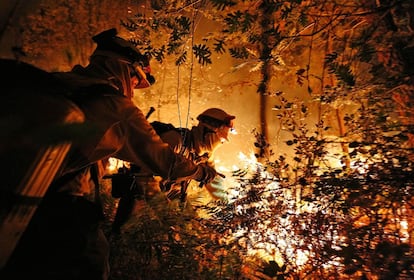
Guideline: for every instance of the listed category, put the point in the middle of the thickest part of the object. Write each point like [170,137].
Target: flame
[115,164]
[269,241]
[280,243]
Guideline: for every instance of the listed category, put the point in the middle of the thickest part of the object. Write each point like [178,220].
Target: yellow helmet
[216,117]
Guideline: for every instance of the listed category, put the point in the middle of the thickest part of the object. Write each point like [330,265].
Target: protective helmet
[110,44]
[216,117]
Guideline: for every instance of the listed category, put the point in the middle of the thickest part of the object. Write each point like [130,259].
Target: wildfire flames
[271,235]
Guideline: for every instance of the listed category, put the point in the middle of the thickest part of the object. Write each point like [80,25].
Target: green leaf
[202,53]
[240,53]
[222,4]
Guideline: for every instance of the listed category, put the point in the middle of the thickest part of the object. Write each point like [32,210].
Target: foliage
[235,21]
[305,218]
[165,240]
[344,222]
[63,30]
[283,39]
[340,207]
[342,72]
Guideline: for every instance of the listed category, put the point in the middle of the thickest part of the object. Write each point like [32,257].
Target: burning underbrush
[337,225]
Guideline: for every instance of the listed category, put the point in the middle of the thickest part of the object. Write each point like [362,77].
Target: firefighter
[198,144]
[64,239]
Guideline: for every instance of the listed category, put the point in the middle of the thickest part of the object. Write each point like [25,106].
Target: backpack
[185,133]
[28,111]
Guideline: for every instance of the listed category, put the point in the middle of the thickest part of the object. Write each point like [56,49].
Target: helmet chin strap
[218,131]
[212,140]
[223,133]
[210,127]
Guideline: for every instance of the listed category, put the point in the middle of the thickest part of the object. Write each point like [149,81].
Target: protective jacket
[106,124]
[117,127]
[197,144]
[194,144]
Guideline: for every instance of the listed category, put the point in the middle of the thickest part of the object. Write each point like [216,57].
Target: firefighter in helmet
[198,144]
[64,239]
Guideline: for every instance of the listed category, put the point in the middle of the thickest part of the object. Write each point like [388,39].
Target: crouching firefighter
[197,144]
[63,238]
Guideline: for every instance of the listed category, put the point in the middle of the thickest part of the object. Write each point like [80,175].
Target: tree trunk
[265,58]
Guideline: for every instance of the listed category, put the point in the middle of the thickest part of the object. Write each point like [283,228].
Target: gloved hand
[216,188]
[206,174]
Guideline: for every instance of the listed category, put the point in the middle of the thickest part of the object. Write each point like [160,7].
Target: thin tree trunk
[265,57]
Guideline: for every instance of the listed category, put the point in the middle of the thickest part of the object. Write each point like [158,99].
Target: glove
[207,174]
[216,188]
